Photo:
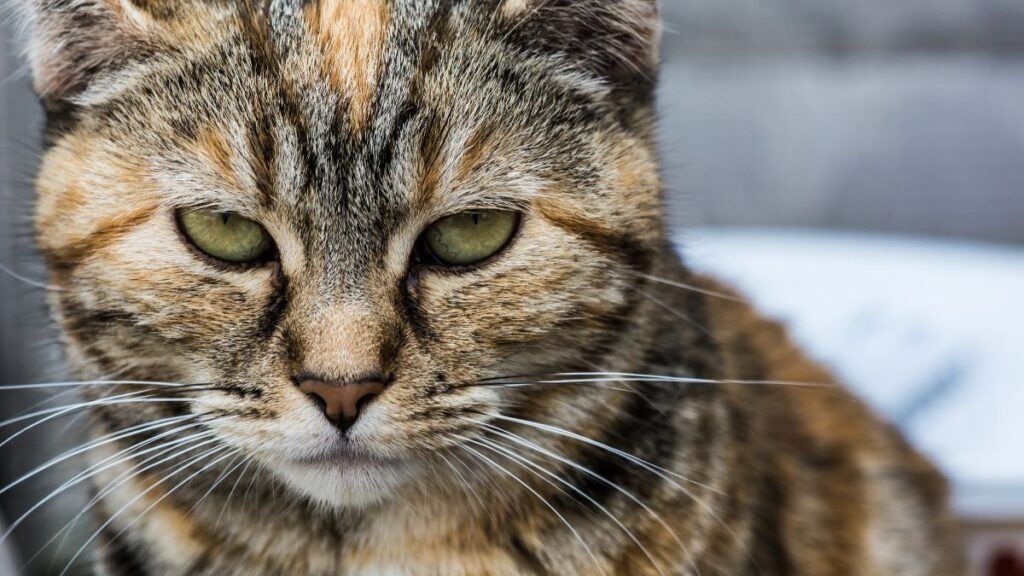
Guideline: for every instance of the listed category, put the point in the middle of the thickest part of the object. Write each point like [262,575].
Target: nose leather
[342,403]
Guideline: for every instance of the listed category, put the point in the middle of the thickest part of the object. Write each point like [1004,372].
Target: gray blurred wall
[26,351]
[894,115]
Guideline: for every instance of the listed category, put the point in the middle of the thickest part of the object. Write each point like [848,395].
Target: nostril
[319,402]
[365,401]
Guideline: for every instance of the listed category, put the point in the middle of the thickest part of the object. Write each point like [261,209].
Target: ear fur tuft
[617,40]
[71,41]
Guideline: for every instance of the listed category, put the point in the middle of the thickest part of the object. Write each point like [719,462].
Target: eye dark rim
[271,256]
[425,259]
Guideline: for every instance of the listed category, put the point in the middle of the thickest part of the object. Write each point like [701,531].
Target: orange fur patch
[88,199]
[352,34]
[213,146]
[571,219]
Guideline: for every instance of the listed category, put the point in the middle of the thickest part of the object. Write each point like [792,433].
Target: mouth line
[348,456]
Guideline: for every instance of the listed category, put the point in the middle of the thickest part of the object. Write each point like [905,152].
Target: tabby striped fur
[522,432]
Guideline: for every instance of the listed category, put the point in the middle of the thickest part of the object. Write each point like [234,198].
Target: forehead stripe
[352,35]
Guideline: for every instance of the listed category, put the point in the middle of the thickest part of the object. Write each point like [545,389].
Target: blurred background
[857,168]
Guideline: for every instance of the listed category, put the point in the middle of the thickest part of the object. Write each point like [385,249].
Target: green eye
[225,236]
[470,237]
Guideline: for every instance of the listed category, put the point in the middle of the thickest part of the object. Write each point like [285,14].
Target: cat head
[336,219]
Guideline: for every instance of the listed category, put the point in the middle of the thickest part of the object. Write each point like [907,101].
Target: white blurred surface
[930,332]
[7,565]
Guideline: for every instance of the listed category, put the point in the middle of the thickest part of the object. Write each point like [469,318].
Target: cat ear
[616,40]
[70,42]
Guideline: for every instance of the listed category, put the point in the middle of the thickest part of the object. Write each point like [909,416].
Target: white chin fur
[357,485]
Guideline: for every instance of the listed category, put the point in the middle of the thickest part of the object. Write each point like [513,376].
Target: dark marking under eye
[275,308]
[413,313]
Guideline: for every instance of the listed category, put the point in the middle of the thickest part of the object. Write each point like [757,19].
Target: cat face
[316,211]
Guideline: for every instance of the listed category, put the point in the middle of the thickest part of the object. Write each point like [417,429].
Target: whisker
[96,402]
[141,467]
[91,472]
[248,462]
[654,469]
[481,477]
[469,487]
[102,441]
[689,321]
[690,287]
[231,467]
[662,473]
[569,462]
[248,489]
[29,281]
[63,411]
[501,448]
[89,383]
[601,377]
[109,520]
[520,481]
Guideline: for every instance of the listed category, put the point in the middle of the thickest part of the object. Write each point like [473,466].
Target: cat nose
[342,402]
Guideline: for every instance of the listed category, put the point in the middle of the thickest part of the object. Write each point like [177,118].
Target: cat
[385,287]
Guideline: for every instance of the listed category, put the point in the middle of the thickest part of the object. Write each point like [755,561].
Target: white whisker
[248,462]
[554,510]
[690,287]
[690,321]
[658,471]
[110,520]
[25,279]
[102,441]
[601,377]
[134,471]
[44,385]
[524,461]
[64,410]
[231,467]
[462,479]
[91,472]
[569,462]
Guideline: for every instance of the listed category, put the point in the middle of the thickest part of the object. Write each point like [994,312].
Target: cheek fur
[150,285]
[546,285]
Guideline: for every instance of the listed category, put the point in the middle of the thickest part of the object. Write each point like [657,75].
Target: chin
[346,483]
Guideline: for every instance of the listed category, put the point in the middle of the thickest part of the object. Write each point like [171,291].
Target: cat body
[398,279]
[736,479]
